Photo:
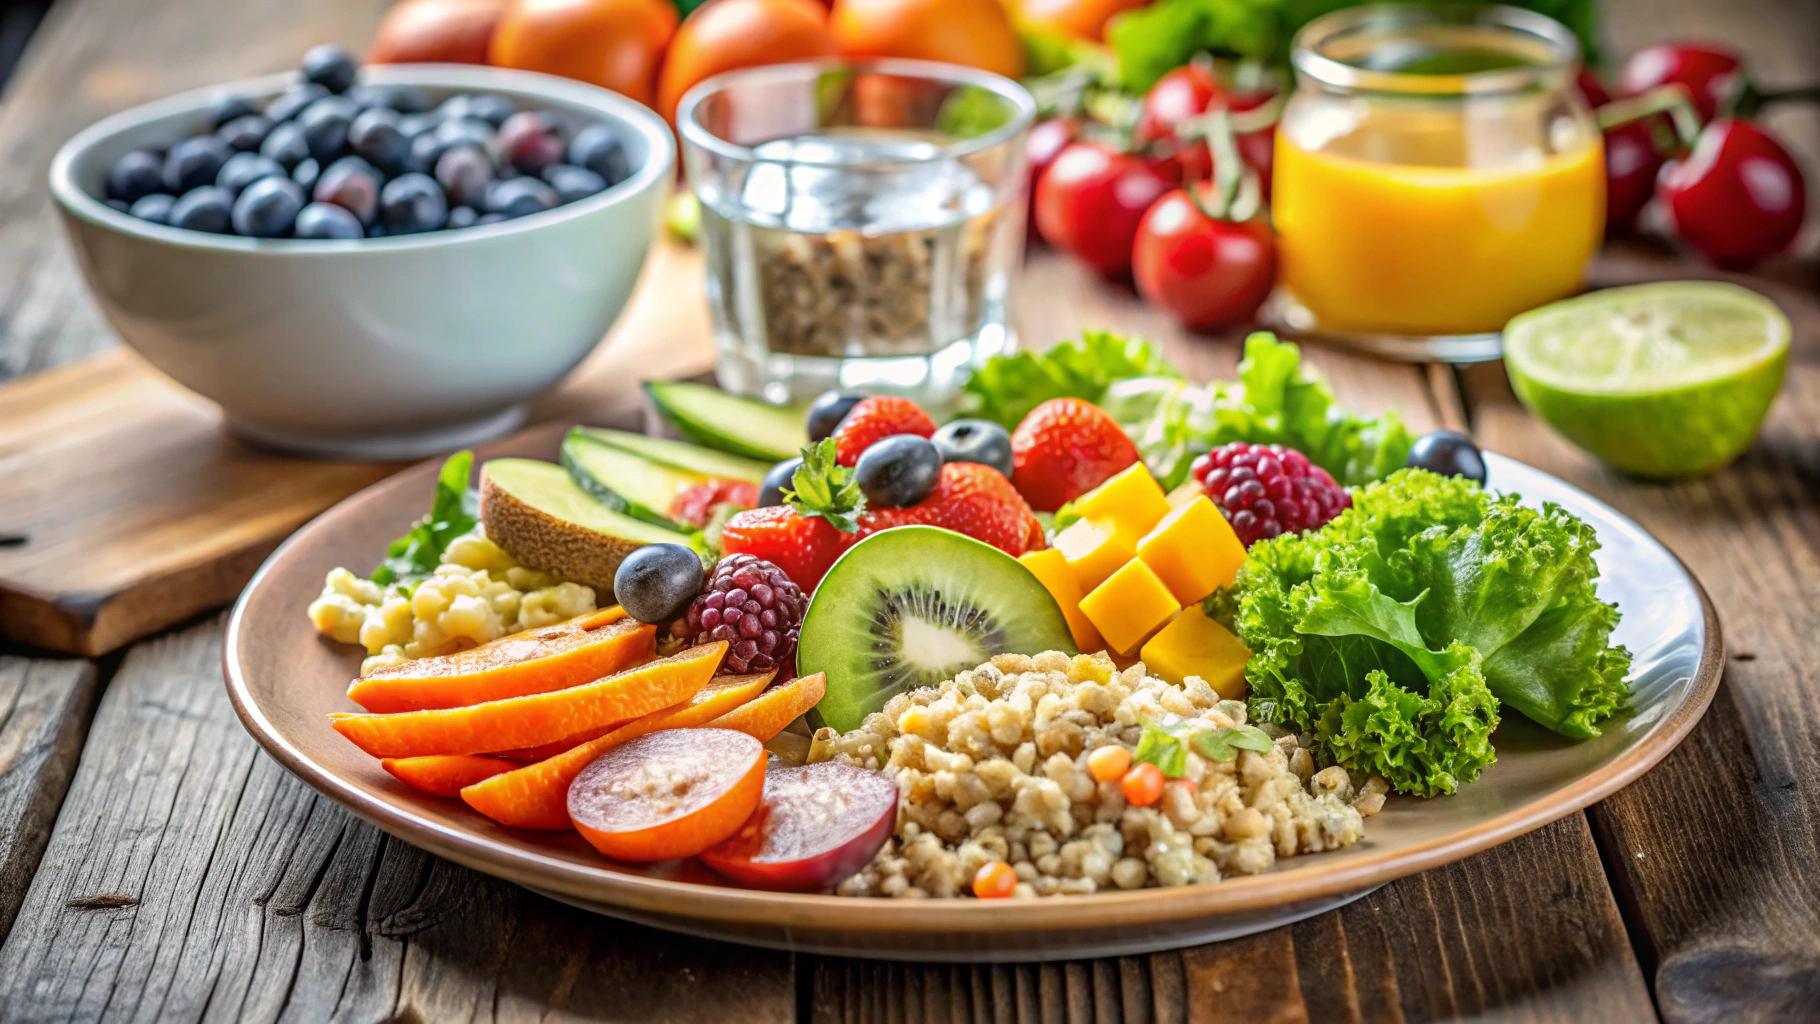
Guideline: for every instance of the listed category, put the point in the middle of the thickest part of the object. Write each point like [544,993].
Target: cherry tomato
[1592,90]
[1108,763]
[1188,92]
[1045,142]
[1711,73]
[1631,165]
[731,34]
[1738,197]
[1209,273]
[1143,784]
[1089,203]
[994,880]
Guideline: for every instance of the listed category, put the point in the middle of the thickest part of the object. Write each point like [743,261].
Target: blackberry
[1268,490]
[755,607]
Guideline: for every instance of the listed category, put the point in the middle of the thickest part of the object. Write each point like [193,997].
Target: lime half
[1659,380]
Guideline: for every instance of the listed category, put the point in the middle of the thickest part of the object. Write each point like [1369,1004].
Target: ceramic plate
[284,680]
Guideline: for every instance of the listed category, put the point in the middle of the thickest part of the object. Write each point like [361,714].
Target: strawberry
[978,501]
[695,505]
[874,419]
[1064,448]
[804,547]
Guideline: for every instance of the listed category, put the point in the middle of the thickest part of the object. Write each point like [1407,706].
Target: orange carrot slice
[537,795]
[538,718]
[444,774]
[772,711]
[535,661]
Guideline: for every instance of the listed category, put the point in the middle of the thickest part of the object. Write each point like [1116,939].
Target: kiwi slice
[912,606]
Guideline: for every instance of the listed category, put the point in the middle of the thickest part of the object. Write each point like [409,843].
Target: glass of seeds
[861,223]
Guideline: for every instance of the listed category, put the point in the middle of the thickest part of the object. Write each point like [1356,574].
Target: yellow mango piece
[1129,606]
[1193,550]
[1131,501]
[1094,551]
[1184,494]
[1195,645]
[1050,567]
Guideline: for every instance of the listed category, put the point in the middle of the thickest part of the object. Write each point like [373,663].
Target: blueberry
[491,108]
[828,409]
[292,101]
[429,147]
[491,218]
[352,184]
[599,150]
[207,208]
[375,135]
[1448,453]
[285,144]
[464,131]
[325,125]
[306,174]
[981,441]
[413,125]
[656,582]
[193,163]
[119,204]
[329,66]
[228,107]
[520,197]
[402,99]
[530,140]
[464,173]
[326,220]
[137,174]
[898,471]
[782,475]
[242,169]
[462,217]
[155,207]
[411,203]
[245,133]
[268,208]
[572,183]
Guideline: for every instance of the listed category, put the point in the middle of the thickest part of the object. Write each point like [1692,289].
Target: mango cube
[1190,490]
[1129,606]
[1193,550]
[1050,567]
[1131,501]
[1195,645]
[1094,551]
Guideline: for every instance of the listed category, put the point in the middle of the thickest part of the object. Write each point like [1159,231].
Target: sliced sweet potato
[772,711]
[539,718]
[535,661]
[537,795]
[445,774]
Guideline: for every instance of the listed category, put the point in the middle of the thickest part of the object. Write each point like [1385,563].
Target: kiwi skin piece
[543,519]
[908,579]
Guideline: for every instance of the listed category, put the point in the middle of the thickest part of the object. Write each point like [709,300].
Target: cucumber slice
[680,454]
[625,482]
[540,516]
[743,426]
[912,606]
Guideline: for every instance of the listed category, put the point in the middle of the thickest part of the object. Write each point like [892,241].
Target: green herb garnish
[455,511]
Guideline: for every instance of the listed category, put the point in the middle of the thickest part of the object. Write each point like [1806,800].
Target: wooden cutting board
[124,507]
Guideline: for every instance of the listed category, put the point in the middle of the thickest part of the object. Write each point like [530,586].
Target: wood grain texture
[191,878]
[1713,852]
[44,712]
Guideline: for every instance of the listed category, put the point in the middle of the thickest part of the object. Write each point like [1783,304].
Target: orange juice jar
[1436,174]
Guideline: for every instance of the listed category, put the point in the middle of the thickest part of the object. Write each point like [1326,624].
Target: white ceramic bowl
[384,348]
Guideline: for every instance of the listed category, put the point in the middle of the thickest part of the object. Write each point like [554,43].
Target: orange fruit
[976,33]
[436,31]
[1082,19]
[617,44]
[724,35]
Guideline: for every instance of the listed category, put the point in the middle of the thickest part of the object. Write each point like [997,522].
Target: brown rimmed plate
[284,679]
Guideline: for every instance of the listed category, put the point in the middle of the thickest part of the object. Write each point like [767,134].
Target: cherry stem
[1240,195]
[1672,99]
[1807,93]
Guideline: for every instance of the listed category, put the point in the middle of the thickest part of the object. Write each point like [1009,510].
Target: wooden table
[155,865]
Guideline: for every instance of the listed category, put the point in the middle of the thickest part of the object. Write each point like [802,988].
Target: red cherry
[1738,197]
[1591,89]
[1631,166]
[1711,73]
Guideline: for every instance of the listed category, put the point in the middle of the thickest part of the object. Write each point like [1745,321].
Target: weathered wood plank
[191,878]
[44,711]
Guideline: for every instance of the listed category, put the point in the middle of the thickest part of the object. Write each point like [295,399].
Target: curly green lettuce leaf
[454,510]
[1006,388]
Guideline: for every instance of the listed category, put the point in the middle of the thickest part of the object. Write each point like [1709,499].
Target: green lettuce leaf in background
[1008,387]
[1394,633]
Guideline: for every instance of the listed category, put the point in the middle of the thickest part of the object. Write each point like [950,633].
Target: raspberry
[1268,490]
[752,605]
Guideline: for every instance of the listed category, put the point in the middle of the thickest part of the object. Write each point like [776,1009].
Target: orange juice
[1387,231]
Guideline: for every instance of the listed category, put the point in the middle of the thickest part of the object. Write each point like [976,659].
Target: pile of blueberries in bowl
[331,158]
